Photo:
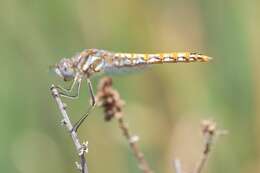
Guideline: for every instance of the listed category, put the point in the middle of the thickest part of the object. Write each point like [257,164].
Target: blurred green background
[164,104]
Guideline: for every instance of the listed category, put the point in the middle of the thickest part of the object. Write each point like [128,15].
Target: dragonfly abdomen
[126,59]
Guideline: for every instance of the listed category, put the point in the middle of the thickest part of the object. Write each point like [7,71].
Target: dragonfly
[90,62]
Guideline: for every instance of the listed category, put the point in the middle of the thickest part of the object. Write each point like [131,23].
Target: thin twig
[81,148]
[110,100]
[132,140]
[209,131]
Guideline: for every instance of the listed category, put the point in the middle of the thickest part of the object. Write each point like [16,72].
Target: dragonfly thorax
[92,64]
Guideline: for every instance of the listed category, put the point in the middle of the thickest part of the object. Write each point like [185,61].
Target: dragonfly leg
[67,89]
[91,91]
[92,106]
[69,92]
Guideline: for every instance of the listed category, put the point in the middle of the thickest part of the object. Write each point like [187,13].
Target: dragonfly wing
[114,70]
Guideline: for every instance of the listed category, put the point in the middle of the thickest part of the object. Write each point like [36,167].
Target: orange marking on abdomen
[145,57]
[174,55]
[161,56]
[187,56]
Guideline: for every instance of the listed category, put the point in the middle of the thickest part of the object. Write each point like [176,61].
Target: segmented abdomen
[126,59]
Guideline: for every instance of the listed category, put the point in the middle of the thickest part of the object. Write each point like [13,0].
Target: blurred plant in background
[165,103]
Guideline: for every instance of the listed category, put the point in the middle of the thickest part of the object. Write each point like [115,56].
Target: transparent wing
[126,69]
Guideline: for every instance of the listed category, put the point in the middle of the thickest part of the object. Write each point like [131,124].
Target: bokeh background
[164,104]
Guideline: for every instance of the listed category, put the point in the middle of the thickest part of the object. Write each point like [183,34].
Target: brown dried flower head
[208,127]
[109,99]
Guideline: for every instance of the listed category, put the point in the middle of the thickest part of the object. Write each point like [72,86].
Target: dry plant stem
[109,99]
[201,163]
[203,159]
[81,148]
[143,165]
[209,131]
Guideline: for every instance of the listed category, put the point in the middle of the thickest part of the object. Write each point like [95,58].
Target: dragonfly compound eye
[65,70]
[67,73]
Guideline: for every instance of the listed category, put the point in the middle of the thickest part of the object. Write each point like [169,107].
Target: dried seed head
[208,127]
[109,99]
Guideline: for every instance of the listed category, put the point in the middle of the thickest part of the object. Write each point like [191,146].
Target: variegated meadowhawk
[93,61]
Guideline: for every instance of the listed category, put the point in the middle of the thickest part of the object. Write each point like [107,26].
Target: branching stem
[81,148]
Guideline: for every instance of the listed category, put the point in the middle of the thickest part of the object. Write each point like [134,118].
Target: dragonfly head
[65,69]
